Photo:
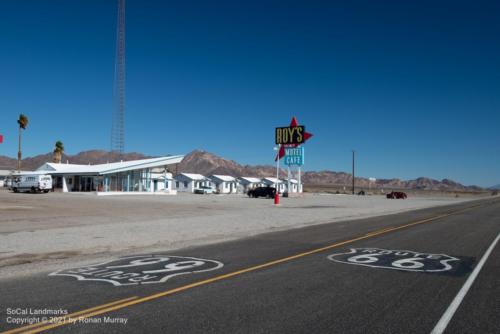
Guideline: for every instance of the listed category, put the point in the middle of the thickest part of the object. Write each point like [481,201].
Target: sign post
[300,182]
[288,178]
[277,193]
[294,156]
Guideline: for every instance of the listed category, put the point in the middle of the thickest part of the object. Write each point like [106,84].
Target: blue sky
[412,86]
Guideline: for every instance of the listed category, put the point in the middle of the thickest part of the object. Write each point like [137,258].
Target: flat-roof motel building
[188,182]
[225,184]
[271,182]
[250,183]
[137,176]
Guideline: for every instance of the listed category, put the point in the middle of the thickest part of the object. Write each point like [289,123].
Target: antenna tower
[117,124]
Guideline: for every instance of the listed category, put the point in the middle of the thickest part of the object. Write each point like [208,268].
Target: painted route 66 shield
[396,259]
[143,269]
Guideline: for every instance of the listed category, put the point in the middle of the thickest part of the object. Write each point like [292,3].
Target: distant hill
[84,158]
[7,163]
[208,164]
[497,187]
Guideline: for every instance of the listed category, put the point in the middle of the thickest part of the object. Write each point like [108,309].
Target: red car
[397,195]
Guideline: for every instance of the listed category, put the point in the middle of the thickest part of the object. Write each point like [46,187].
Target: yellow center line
[106,308]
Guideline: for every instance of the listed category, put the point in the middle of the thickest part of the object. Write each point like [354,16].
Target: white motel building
[225,184]
[188,182]
[143,176]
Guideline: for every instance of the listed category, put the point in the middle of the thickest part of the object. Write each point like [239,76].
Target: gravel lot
[54,228]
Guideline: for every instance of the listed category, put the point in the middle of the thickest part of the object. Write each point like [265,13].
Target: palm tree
[23,123]
[58,151]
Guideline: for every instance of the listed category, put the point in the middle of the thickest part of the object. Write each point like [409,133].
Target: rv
[8,182]
[32,182]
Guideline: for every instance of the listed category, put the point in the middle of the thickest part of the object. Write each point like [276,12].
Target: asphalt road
[389,274]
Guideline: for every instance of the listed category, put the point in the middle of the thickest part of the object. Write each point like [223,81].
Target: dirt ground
[57,226]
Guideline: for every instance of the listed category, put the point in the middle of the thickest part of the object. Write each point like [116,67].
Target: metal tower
[118,120]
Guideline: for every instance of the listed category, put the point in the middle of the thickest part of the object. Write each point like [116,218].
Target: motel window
[185,184]
[177,184]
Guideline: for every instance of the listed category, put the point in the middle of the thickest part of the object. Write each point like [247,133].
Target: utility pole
[19,155]
[353,153]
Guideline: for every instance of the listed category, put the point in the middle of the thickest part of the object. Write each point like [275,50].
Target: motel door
[86,183]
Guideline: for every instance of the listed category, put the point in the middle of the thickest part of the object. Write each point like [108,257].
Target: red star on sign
[307,135]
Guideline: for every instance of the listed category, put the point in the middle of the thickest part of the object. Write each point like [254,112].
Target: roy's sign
[290,135]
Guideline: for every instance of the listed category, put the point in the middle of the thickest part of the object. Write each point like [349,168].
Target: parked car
[32,182]
[361,193]
[204,190]
[268,192]
[396,195]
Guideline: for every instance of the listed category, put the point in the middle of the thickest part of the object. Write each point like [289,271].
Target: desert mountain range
[207,164]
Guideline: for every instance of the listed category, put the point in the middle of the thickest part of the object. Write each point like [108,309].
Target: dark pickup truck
[268,192]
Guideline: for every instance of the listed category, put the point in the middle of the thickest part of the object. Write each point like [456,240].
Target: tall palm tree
[23,123]
[58,151]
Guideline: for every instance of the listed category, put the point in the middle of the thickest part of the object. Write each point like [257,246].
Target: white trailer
[31,182]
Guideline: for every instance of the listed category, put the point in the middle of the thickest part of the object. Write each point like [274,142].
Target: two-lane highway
[389,274]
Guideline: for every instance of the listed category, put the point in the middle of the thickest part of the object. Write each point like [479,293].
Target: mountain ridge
[206,163]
